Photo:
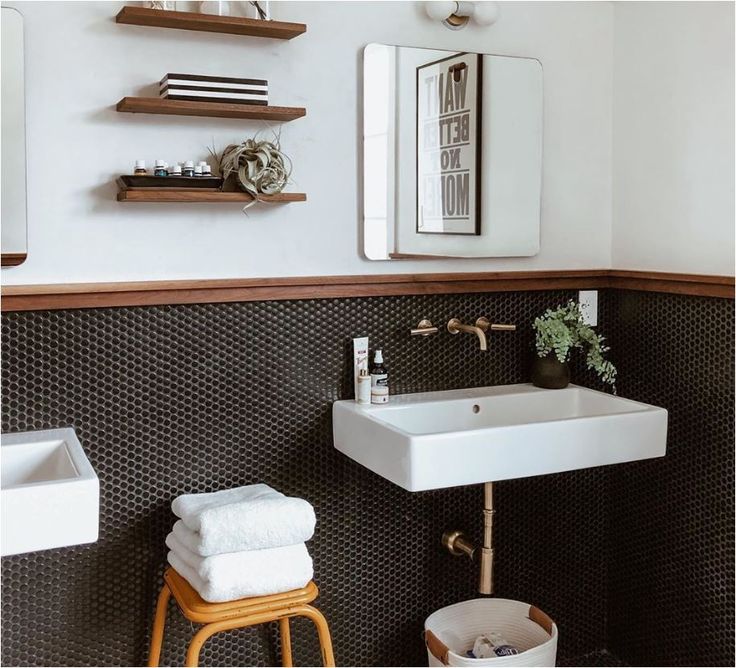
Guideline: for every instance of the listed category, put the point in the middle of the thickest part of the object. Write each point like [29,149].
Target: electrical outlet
[589,306]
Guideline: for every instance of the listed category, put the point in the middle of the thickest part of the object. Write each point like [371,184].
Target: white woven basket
[451,631]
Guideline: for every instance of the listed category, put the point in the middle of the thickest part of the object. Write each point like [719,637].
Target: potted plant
[558,332]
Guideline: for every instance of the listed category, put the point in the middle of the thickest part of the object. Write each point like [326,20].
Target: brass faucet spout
[455,327]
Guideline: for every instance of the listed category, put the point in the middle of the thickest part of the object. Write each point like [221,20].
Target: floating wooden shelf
[171,195]
[157,105]
[234,25]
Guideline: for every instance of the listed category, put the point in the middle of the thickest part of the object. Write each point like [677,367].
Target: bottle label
[379,388]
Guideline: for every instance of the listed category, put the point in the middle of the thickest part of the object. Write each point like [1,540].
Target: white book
[211,95]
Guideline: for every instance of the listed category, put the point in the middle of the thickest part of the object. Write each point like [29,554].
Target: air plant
[258,165]
[262,13]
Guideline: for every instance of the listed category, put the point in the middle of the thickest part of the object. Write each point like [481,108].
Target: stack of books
[199,88]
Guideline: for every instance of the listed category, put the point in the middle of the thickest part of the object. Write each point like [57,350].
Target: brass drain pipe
[458,544]
[486,552]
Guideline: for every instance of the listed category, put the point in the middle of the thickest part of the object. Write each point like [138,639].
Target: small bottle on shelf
[188,168]
[198,170]
[140,168]
[206,170]
[160,168]
[175,170]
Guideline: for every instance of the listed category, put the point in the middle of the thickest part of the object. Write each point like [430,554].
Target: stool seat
[197,610]
[230,615]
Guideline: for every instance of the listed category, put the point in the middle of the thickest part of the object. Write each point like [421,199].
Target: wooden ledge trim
[699,285]
[150,293]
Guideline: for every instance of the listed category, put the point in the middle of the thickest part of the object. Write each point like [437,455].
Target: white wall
[673,137]
[79,63]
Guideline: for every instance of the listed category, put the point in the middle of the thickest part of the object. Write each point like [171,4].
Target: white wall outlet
[589,306]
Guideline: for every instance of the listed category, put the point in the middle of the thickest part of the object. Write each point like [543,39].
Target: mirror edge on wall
[19,253]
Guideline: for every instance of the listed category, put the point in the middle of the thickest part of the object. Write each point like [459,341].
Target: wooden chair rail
[150,293]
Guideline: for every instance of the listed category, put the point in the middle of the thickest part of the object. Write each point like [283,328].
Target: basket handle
[437,648]
[541,618]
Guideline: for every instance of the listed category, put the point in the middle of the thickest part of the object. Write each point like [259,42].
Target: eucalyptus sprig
[562,329]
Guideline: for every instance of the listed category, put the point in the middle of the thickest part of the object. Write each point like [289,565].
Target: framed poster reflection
[449,100]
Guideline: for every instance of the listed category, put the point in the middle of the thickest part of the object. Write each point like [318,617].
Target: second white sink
[434,440]
[50,493]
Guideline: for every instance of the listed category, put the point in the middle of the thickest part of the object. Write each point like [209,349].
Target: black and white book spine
[258,85]
[207,81]
[213,96]
[195,87]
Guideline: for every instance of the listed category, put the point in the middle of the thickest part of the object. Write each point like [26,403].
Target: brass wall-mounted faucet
[482,325]
[455,326]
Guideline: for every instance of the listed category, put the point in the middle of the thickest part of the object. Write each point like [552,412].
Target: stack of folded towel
[241,542]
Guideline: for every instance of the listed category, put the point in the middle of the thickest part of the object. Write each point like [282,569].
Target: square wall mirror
[452,154]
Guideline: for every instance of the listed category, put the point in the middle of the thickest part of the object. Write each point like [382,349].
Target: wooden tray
[202,195]
[135,182]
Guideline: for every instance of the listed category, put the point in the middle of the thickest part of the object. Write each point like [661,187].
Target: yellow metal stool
[231,615]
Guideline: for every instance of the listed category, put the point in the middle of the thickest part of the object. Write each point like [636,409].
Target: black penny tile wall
[671,542]
[195,398]
[168,400]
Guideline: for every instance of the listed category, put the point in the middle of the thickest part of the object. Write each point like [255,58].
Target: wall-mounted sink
[434,440]
[49,491]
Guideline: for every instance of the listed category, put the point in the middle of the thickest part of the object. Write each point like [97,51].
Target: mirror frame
[14,259]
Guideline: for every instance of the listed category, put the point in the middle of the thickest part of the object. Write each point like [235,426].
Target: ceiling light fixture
[456,15]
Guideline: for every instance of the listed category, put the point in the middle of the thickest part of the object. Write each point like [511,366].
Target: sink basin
[49,491]
[434,440]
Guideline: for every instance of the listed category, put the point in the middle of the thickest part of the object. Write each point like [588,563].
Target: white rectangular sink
[49,491]
[434,440]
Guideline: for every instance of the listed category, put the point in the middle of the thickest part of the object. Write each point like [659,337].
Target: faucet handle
[485,325]
[424,328]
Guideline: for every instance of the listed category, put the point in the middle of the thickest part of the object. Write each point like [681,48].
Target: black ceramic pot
[549,373]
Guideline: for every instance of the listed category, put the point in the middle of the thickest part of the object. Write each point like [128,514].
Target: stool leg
[323,631]
[159,621]
[285,632]
[199,639]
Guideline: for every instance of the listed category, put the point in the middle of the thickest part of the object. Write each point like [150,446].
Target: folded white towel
[226,577]
[254,517]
